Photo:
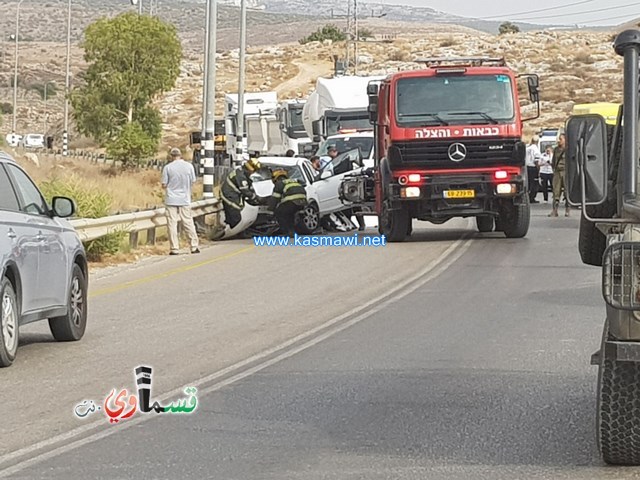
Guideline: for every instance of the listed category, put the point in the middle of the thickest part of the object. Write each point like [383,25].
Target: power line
[547,9]
[607,19]
[581,13]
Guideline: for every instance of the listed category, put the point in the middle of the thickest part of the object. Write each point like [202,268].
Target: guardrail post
[151,236]
[133,240]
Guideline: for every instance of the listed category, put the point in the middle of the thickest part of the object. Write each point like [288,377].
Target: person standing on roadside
[559,184]
[532,161]
[178,176]
[546,173]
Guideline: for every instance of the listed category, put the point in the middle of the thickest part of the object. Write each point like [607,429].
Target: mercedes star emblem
[457,152]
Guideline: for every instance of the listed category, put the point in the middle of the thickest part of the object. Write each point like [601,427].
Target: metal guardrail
[133,223]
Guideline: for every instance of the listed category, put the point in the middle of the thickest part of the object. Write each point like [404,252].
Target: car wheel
[71,327]
[308,219]
[9,323]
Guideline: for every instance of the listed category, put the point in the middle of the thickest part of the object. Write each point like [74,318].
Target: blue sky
[613,12]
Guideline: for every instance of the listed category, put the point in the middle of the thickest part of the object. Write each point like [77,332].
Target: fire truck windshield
[441,100]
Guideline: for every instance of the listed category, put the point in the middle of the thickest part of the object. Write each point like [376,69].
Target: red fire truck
[448,143]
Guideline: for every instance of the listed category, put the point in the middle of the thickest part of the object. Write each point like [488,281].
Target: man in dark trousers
[287,199]
[236,188]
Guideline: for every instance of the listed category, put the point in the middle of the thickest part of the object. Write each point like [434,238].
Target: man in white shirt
[532,161]
[546,173]
[177,178]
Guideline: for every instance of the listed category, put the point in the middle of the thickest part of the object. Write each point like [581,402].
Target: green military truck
[602,176]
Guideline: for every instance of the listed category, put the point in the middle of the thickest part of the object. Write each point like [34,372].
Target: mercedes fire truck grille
[455,153]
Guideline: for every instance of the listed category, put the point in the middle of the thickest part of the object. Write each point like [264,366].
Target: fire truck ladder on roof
[464,61]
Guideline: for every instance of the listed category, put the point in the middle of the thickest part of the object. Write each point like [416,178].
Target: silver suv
[43,267]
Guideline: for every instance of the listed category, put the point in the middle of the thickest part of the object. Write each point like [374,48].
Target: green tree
[328,32]
[132,59]
[508,27]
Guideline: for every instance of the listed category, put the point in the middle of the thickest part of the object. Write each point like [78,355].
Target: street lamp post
[65,132]
[240,143]
[15,70]
[209,120]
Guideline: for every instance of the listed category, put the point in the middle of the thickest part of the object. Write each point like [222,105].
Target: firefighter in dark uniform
[237,188]
[287,199]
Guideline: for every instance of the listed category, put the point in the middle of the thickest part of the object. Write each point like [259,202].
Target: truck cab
[258,110]
[448,144]
[294,135]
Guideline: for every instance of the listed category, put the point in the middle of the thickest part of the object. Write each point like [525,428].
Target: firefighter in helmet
[236,188]
[287,199]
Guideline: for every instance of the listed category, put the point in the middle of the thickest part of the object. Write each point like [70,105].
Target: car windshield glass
[335,123]
[345,144]
[455,99]
[293,172]
[295,117]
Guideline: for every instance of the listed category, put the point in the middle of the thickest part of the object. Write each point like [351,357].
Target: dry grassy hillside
[574,67]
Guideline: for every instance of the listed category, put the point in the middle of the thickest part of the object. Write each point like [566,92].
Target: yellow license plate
[459,194]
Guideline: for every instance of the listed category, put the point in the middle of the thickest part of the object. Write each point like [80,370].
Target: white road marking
[334,326]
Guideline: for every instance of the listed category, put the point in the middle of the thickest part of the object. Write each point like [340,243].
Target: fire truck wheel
[394,224]
[484,223]
[515,221]
[618,418]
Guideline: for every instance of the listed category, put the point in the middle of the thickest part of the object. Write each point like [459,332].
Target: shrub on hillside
[328,32]
[508,27]
[90,203]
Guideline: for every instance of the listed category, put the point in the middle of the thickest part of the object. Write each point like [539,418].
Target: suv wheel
[71,327]
[9,319]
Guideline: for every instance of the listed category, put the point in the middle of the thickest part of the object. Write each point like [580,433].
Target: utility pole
[205,75]
[240,134]
[210,88]
[67,82]
[348,34]
[15,70]
[355,49]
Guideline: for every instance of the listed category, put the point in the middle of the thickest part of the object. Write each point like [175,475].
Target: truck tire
[618,419]
[591,241]
[515,224]
[484,223]
[394,224]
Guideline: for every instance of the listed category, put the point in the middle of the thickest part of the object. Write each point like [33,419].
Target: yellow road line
[166,274]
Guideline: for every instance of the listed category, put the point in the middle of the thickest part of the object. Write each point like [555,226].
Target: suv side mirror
[325,174]
[63,207]
[586,157]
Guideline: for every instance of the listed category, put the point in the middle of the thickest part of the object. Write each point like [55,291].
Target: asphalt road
[476,367]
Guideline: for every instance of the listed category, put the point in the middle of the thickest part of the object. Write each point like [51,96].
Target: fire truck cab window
[436,100]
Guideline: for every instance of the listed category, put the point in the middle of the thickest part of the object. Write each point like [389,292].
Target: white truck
[271,127]
[259,122]
[336,104]
[293,134]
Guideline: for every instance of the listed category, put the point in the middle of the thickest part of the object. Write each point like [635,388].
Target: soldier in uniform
[288,198]
[559,183]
